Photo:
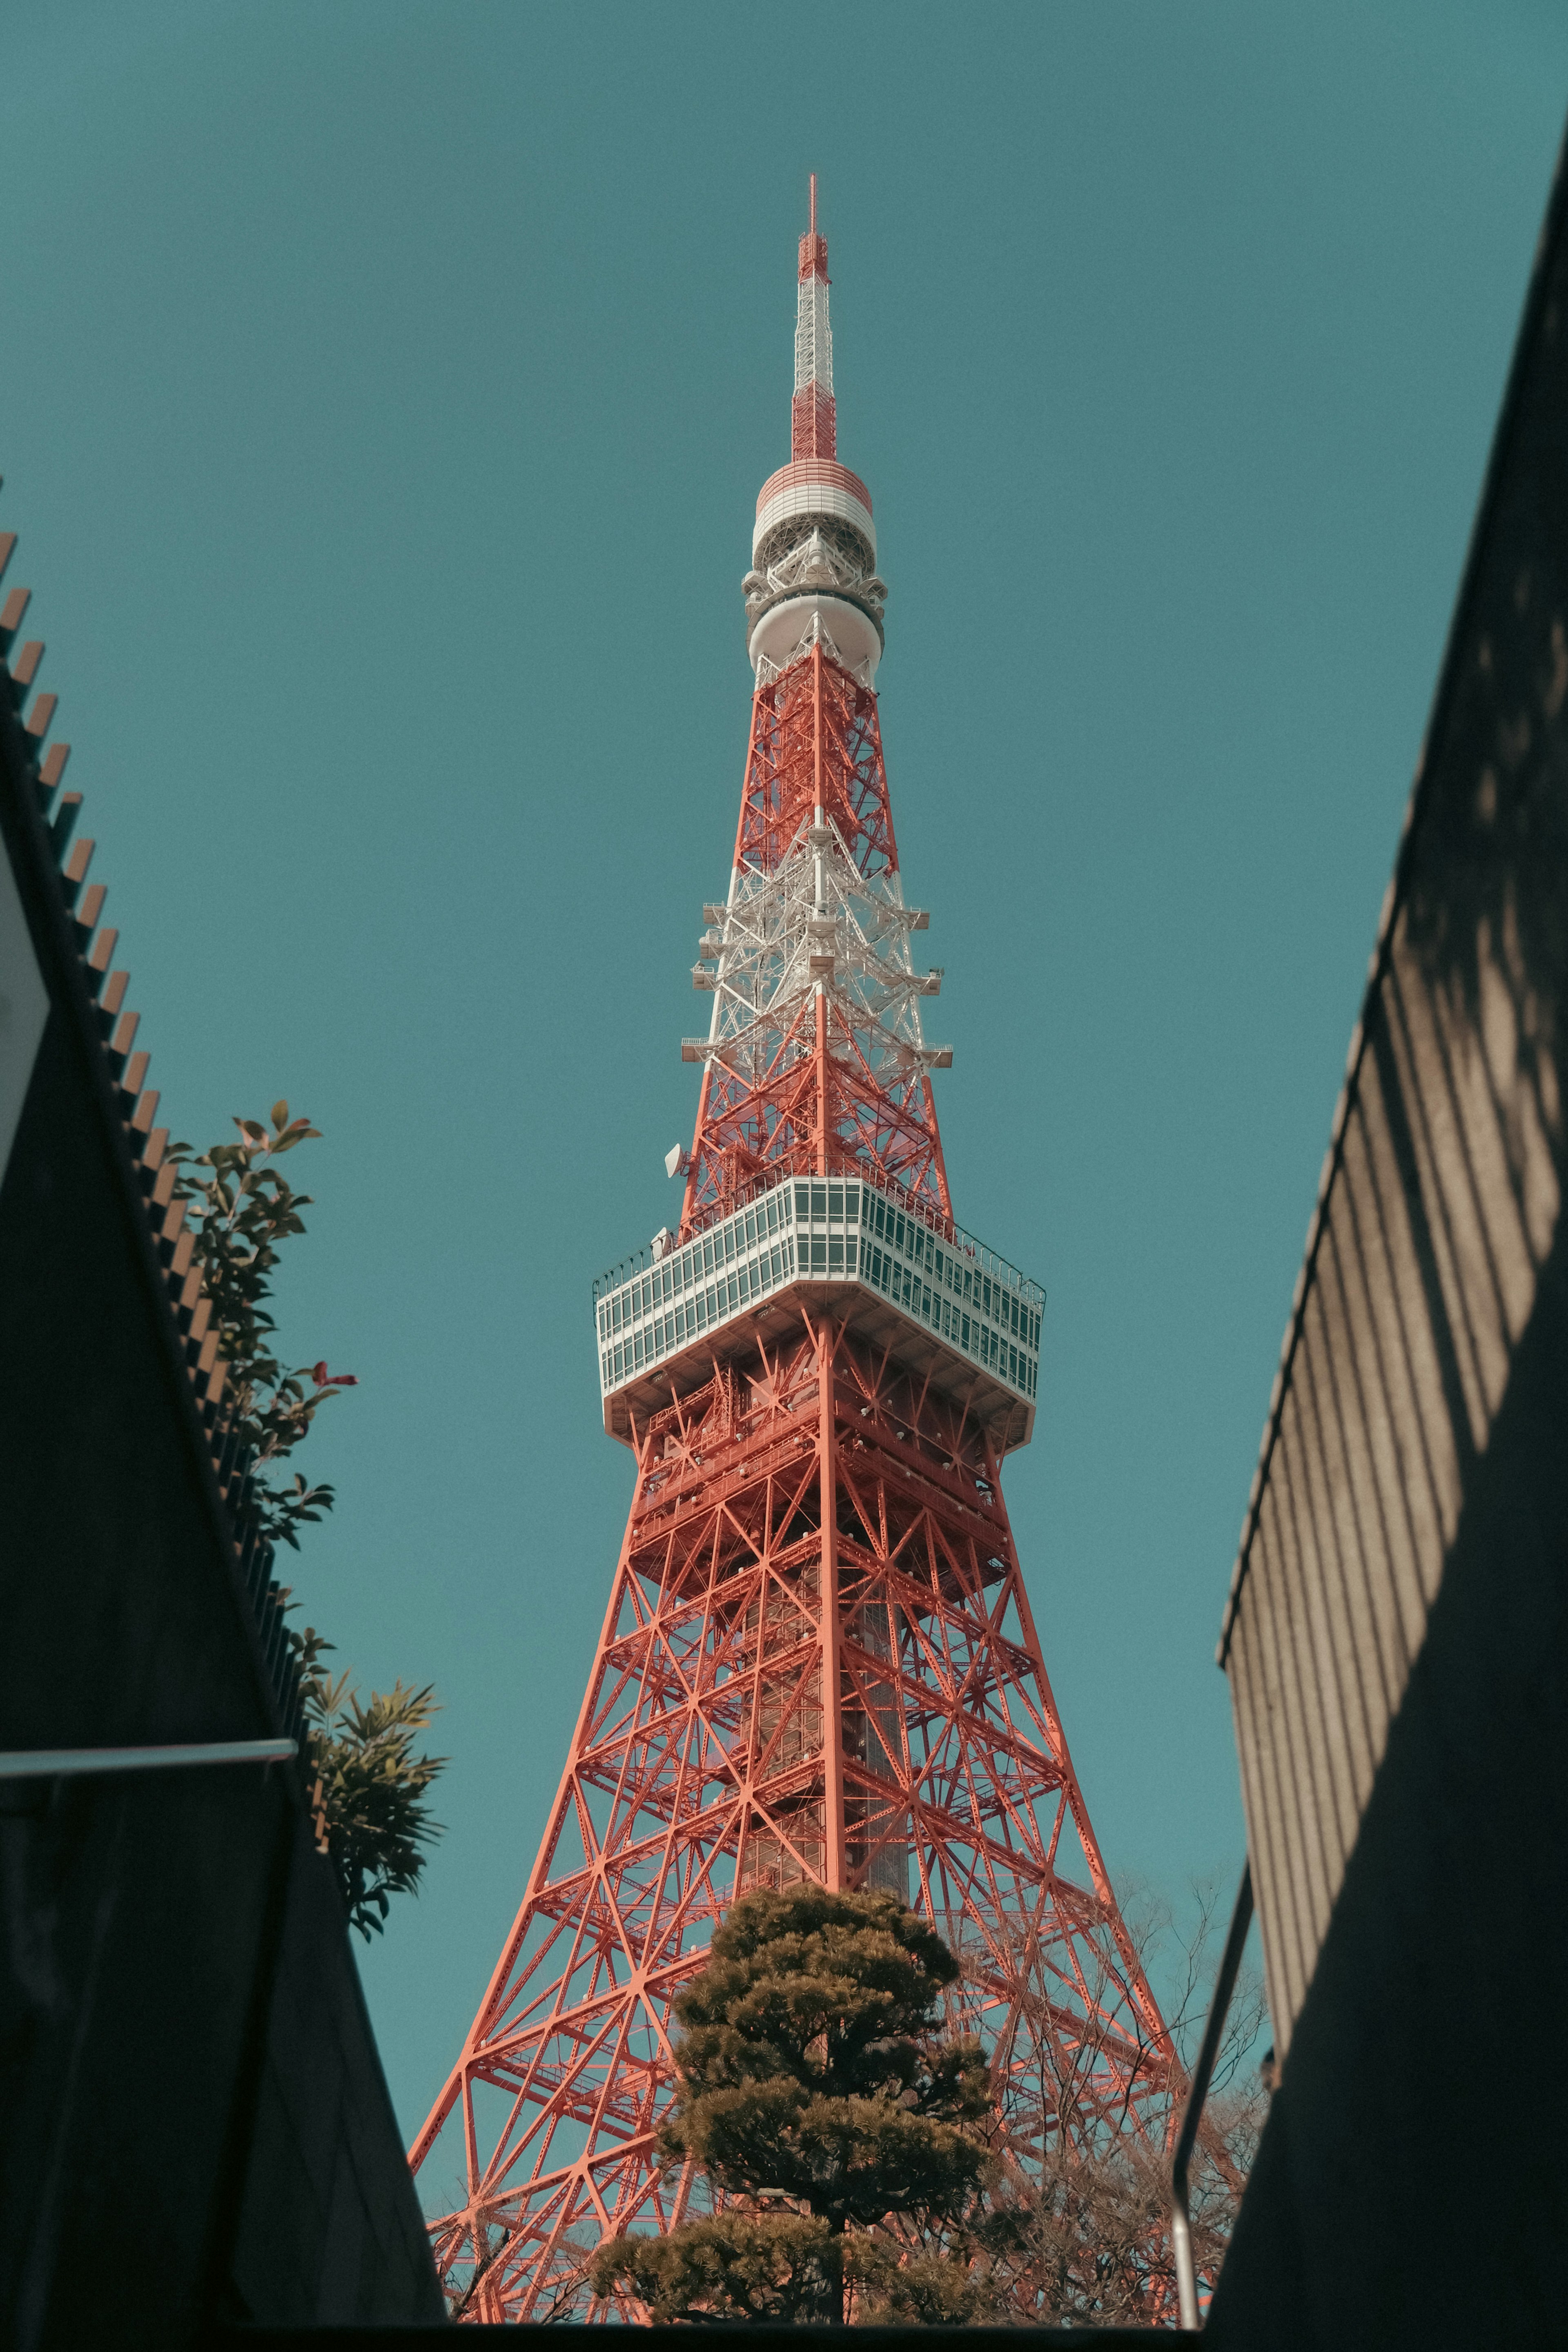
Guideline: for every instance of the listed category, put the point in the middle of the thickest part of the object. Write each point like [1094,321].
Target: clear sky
[387,386]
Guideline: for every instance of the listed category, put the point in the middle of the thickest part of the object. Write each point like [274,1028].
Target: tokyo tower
[818,1660]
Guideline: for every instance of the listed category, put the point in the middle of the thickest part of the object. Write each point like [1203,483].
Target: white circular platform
[781,628]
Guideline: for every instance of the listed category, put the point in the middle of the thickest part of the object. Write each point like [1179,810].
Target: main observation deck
[881,1264]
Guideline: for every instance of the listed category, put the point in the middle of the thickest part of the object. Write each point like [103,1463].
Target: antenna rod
[813,430]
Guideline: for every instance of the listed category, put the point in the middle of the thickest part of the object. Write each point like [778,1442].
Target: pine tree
[843,2132]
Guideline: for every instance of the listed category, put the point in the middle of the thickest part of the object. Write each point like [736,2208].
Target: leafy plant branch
[370,1782]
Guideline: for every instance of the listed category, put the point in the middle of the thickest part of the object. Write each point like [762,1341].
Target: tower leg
[832,1673]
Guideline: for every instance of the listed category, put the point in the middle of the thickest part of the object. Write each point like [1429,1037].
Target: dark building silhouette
[194,2122]
[1396,1637]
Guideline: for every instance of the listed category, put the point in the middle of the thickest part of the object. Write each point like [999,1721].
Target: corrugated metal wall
[1438,1203]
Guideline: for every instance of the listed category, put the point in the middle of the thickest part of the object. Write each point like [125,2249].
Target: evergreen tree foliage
[843,2132]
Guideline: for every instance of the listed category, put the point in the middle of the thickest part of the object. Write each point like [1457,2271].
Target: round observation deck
[814,486]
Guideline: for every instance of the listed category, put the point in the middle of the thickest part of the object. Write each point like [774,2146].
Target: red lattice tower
[819,1659]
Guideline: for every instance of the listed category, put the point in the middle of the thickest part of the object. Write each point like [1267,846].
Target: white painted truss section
[812,564]
[815,923]
[813,337]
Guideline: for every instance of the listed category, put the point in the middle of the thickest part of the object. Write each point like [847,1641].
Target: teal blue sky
[386,389]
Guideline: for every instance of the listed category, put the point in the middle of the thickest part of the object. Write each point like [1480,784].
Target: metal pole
[1197,2092]
[56,1763]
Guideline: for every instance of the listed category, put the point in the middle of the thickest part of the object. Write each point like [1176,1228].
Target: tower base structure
[819,1661]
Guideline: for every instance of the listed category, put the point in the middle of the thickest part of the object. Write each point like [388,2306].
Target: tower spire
[813,431]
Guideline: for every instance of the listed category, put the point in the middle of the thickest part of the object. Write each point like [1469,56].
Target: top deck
[944,1302]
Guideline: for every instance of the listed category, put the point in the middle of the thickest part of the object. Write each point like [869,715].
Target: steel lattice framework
[819,1660]
[815,1058]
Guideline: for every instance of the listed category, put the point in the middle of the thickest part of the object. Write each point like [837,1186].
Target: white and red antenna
[813,546]
[813,429]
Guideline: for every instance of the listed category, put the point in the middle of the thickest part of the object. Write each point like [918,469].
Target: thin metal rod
[1197,2092]
[55,1763]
